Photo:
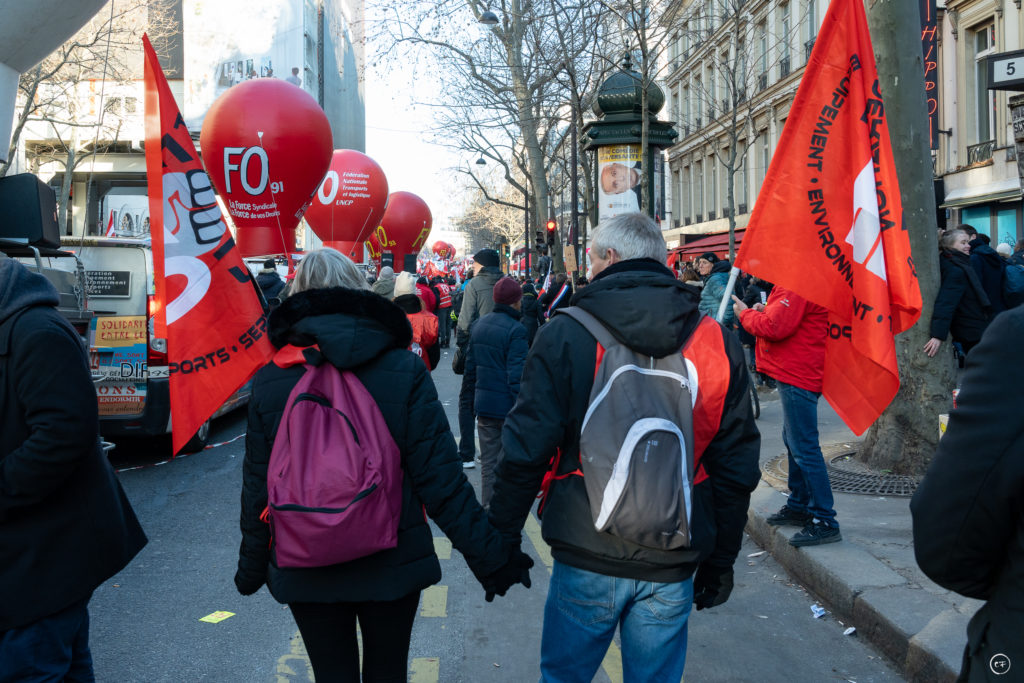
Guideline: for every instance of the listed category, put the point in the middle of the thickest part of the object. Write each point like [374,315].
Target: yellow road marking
[435,602]
[297,656]
[612,663]
[425,670]
[443,548]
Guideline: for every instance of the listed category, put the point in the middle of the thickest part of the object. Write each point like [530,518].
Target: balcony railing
[687,220]
[808,46]
[784,67]
[711,215]
[741,209]
[699,218]
[980,152]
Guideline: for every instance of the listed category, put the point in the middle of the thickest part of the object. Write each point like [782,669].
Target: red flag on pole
[110,225]
[828,222]
[208,310]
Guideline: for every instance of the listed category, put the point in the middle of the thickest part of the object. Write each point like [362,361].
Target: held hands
[712,586]
[515,570]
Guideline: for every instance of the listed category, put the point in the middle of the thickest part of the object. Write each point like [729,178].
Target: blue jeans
[54,648]
[582,611]
[809,487]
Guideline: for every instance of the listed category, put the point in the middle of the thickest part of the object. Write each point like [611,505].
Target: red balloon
[354,250]
[403,229]
[444,250]
[350,201]
[267,146]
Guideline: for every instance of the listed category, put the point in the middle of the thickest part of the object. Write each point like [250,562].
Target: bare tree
[73,122]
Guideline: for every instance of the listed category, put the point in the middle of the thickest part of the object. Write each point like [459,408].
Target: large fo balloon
[267,145]
[403,230]
[350,202]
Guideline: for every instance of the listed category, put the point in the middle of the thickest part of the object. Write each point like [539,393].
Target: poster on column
[618,174]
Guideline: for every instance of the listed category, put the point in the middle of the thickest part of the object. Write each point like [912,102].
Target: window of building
[698,91]
[741,178]
[698,193]
[677,197]
[685,215]
[712,168]
[762,42]
[130,105]
[785,27]
[982,44]
[686,108]
[112,105]
[685,37]
[765,153]
[810,26]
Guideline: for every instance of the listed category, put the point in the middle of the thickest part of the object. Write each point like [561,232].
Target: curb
[919,632]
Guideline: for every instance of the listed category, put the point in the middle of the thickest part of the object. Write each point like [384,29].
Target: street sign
[1006,71]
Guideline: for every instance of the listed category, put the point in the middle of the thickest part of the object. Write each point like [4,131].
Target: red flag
[208,310]
[110,225]
[828,223]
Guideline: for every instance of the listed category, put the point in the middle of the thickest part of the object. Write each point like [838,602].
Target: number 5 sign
[1006,71]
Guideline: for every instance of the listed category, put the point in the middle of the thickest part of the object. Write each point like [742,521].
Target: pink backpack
[334,483]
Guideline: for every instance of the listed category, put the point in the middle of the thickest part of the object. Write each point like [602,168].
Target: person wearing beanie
[477,301]
[497,353]
[385,284]
[533,314]
[715,274]
[423,322]
[269,281]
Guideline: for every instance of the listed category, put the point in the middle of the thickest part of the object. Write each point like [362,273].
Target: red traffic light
[551,225]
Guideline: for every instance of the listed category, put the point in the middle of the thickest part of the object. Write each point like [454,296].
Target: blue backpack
[1013,285]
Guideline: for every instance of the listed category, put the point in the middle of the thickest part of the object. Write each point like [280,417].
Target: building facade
[205,48]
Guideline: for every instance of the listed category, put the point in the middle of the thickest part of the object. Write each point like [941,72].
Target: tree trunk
[904,437]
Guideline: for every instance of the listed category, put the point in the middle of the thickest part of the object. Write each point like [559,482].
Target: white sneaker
[468,465]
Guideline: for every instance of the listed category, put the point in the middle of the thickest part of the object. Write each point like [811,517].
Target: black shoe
[787,516]
[815,533]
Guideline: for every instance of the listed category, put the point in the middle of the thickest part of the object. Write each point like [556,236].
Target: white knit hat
[405,283]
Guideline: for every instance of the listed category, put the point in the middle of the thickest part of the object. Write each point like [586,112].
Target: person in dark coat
[990,268]
[269,280]
[715,273]
[961,306]
[600,581]
[497,353]
[66,525]
[356,330]
[532,315]
[558,295]
[967,512]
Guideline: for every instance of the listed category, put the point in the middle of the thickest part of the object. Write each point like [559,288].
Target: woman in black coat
[357,330]
[961,306]
[532,315]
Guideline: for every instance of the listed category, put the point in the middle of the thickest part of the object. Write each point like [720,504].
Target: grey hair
[325,268]
[632,236]
[950,237]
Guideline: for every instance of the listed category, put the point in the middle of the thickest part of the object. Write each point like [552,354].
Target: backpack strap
[594,326]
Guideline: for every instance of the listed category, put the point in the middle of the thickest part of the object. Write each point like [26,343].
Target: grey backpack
[636,445]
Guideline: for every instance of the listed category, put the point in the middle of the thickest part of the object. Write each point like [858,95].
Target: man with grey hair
[601,580]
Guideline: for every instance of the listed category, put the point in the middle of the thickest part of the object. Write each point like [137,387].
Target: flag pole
[734,273]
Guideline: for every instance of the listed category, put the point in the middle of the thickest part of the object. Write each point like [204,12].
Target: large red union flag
[828,222]
[207,308]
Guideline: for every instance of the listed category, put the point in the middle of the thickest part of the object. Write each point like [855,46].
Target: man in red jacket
[790,348]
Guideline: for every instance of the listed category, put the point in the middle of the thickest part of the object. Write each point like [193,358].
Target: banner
[207,309]
[828,223]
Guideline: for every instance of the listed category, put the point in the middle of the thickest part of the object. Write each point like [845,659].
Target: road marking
[435,602]
[443,548]
[612,663]
[297,656]
[425,670]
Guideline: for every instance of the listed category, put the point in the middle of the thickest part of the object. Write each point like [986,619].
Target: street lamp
[488,18]
[480,161]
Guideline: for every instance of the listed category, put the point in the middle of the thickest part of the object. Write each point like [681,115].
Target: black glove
[515,570]
[712,586]
[247,583]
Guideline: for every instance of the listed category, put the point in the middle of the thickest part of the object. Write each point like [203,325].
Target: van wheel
[198,442]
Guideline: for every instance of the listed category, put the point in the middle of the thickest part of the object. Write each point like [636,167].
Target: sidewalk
[870,579]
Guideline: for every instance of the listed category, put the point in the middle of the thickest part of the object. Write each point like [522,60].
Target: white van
[128,361]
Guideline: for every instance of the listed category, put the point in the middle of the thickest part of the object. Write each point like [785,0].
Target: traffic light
[506,250]
[551,227]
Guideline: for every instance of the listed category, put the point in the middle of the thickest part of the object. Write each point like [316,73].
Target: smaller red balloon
[405,226]
[350,201]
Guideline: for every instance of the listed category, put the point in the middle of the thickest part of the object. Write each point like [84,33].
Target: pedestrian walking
[477,301]
[497,352]
[791,334]
[444,310]
[962,308]
[990,269]
[331,317]
[532,314]
[714,273]
[968,526]
[424,323]
[269,280]
[66,525]
[601,580]
[385,284]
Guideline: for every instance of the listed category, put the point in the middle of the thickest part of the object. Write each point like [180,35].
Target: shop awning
[718,243]
[1000,191]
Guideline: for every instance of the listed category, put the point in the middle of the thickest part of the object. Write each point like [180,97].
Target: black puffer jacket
[969,509]
[961,306]
[991,269]
[270,283]
[532,314]
[648,310]
[65,523]
[362,332]
[497,352]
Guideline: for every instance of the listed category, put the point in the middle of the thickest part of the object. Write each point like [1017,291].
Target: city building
[205,48]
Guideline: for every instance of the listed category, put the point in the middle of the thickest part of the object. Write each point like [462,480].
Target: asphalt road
[146,621]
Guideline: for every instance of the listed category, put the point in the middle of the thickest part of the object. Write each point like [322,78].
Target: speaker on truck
[28,210]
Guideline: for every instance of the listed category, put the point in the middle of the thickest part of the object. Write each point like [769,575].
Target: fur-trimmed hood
[351,326]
